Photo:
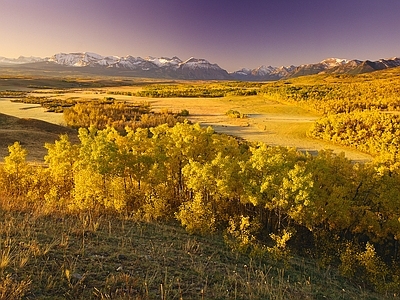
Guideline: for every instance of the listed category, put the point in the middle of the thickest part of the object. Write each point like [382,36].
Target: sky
[232,33]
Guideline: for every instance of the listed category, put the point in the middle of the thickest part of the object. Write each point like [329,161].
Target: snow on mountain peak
[148,64]
[263,70]
[195,68]
[198,63]
[20,60]
[164,61]
[130,62]
[333,62]
[193,60]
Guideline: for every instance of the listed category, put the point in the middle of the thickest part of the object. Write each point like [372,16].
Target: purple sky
[232,33]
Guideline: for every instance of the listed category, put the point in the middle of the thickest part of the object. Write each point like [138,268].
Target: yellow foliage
[240,234]
[364,264]
[280,251]
[196,216]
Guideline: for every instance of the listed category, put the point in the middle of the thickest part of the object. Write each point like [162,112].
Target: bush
[184,113]
[196,216]
[235,114]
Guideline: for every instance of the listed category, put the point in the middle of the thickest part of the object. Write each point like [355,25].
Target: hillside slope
[31,133]
[112,258]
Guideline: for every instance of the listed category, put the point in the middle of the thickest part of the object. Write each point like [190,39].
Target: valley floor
[267,121]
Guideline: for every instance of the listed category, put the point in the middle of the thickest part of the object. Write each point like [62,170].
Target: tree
[61,157]
[16,170]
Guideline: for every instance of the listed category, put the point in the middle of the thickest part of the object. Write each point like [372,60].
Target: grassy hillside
[90,257]
[31,133]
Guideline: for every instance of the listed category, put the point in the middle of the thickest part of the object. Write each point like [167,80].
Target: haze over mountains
[192,68]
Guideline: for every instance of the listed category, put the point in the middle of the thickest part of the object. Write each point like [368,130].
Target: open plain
[266,120]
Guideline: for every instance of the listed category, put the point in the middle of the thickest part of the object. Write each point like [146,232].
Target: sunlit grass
[106,257]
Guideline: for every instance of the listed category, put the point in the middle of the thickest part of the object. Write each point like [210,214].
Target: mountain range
[192,68]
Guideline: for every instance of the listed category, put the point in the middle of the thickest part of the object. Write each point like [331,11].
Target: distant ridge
[327,66]
[192,68]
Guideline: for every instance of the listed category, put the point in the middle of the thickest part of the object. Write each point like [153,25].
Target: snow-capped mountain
[164,62]
[263,73]
[76,59]
[195,63]
[333,62]
[388,63]
[88,59]
[329,65]
[20,60]
[192,68]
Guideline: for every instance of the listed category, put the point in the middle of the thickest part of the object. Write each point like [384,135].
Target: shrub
[235,114]
[184,113]
[196,216]
[366,265]
[280,251]
[240,235]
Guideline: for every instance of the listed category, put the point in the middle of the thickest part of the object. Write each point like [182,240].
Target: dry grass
[105,257]
[32,135]
[267,121]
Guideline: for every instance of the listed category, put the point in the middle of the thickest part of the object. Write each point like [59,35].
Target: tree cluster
[209,90]
[118,115]
[267,200]
[235,114]
[50,104]
[369,131]
[336,97]
[12,94]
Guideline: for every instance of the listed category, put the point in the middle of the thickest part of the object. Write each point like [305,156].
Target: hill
[92,257]
[31,133]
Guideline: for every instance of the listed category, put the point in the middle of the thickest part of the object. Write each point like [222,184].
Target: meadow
[267,118]
[174,209]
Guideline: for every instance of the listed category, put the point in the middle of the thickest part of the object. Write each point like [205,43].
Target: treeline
[50,104]
[209,90]
[12,94]
[267,200]
[339,97]
[359,111]
[118,115]
[123,93]
[373,132]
